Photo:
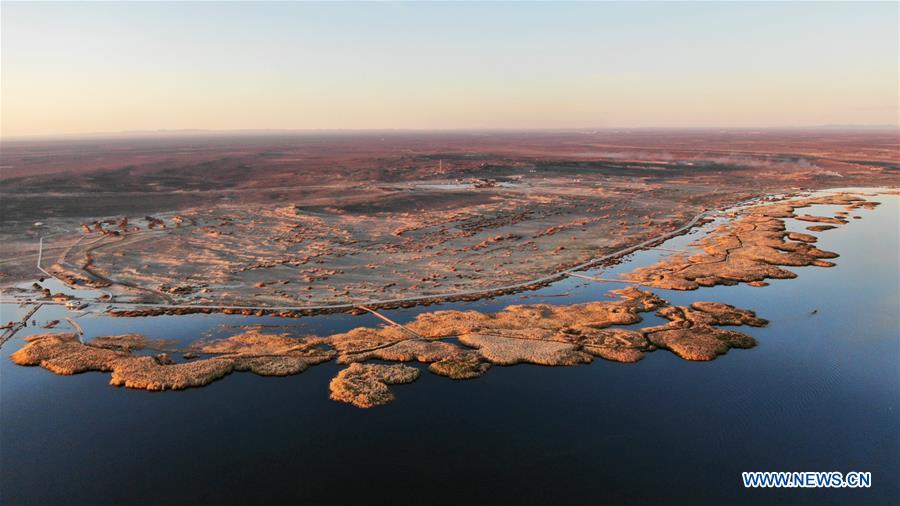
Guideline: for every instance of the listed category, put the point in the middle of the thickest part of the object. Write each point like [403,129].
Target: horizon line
[186,132]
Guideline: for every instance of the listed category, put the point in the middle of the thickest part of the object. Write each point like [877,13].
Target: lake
[819,393]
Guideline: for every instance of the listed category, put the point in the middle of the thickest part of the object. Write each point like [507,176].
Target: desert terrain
[289,220]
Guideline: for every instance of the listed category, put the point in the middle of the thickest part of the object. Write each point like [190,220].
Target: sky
[68,68]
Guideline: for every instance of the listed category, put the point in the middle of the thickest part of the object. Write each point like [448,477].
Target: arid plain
[293,220]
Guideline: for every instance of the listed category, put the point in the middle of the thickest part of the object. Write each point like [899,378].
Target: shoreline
[463,344]
[406,302]
[149,309]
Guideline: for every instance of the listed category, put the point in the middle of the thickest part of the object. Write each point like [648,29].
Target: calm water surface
[819,393]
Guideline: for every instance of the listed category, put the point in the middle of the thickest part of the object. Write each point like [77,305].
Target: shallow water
[819,393]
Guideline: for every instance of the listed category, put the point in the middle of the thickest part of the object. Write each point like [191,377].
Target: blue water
[819,393]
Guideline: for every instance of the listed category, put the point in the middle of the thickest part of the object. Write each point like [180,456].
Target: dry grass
[538,334]
[712,313]
[406,351]
[286,365]
[271,355]
[821,219]
[700,342]
[619,345]
[147,374]
[363,339]
[465,365]
[748,250]
[693,335]
[254,342]
[799,236]
[128,342]
[539,317]
[366,385]
[63,353]
[509,347]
